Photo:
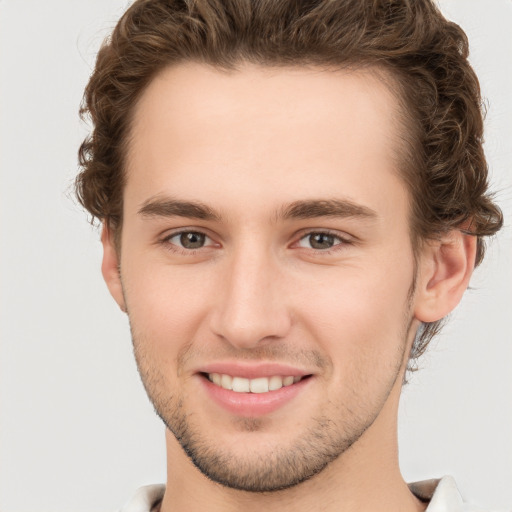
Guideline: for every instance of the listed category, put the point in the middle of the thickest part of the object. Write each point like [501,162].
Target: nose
[252,307]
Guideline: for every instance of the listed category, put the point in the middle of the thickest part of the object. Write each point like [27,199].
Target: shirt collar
[441,494]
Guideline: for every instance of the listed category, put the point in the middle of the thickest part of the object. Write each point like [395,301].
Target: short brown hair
[423,53]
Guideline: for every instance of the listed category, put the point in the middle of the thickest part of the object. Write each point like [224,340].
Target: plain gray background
[77,432]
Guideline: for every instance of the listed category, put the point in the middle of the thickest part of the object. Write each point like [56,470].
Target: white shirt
[442,495]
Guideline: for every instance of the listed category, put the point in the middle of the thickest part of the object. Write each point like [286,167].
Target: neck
[366,477]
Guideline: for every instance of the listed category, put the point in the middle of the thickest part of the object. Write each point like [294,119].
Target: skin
[247,145]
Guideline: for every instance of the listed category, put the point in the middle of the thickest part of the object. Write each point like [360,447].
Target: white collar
[442,495]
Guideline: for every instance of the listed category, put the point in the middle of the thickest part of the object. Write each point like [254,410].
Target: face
[266,265]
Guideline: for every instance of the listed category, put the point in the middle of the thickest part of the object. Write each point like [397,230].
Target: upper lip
[253,370]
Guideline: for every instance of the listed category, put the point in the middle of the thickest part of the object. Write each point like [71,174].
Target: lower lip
[253,404]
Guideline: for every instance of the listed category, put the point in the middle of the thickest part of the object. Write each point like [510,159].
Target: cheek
[360,313]
[166,304]
[362,327]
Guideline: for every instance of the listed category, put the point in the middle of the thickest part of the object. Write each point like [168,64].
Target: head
[411,108]
[409,45]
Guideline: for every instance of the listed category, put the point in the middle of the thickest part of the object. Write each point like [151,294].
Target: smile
[253,395]
[257,385]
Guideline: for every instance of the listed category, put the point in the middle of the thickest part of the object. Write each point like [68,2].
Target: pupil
[321,241]
[192,240]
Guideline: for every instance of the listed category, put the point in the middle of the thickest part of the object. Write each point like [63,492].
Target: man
[293,196]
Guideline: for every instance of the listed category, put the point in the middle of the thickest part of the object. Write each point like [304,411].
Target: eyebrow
[169,207]
[312,208]
[303,209]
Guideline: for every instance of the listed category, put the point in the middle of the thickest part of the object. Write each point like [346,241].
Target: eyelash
[175,248]
[342,242]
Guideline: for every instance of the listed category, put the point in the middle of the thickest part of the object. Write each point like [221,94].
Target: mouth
[256,385]
[253,389]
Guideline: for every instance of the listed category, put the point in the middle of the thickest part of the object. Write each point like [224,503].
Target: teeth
[275,383]
[240,385]
[258,385]
[226,381]
[287,381]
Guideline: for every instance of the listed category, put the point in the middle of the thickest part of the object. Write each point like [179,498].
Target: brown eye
[192,240]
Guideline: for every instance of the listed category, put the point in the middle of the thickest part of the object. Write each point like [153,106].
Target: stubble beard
[274,470]
[280,467]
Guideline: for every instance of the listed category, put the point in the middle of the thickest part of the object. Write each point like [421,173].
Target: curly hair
[422,53]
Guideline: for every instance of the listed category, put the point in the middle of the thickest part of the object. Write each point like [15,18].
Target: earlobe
[445,270]
[110,267]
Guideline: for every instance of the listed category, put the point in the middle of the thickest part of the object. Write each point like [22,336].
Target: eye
[189,240]
[320,241]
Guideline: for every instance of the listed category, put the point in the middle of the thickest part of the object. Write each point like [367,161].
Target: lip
[252,404]
[253,371]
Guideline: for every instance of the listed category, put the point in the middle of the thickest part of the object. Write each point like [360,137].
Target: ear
[445,270]
[110,267]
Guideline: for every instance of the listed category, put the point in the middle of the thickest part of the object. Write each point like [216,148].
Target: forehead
[269,133]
